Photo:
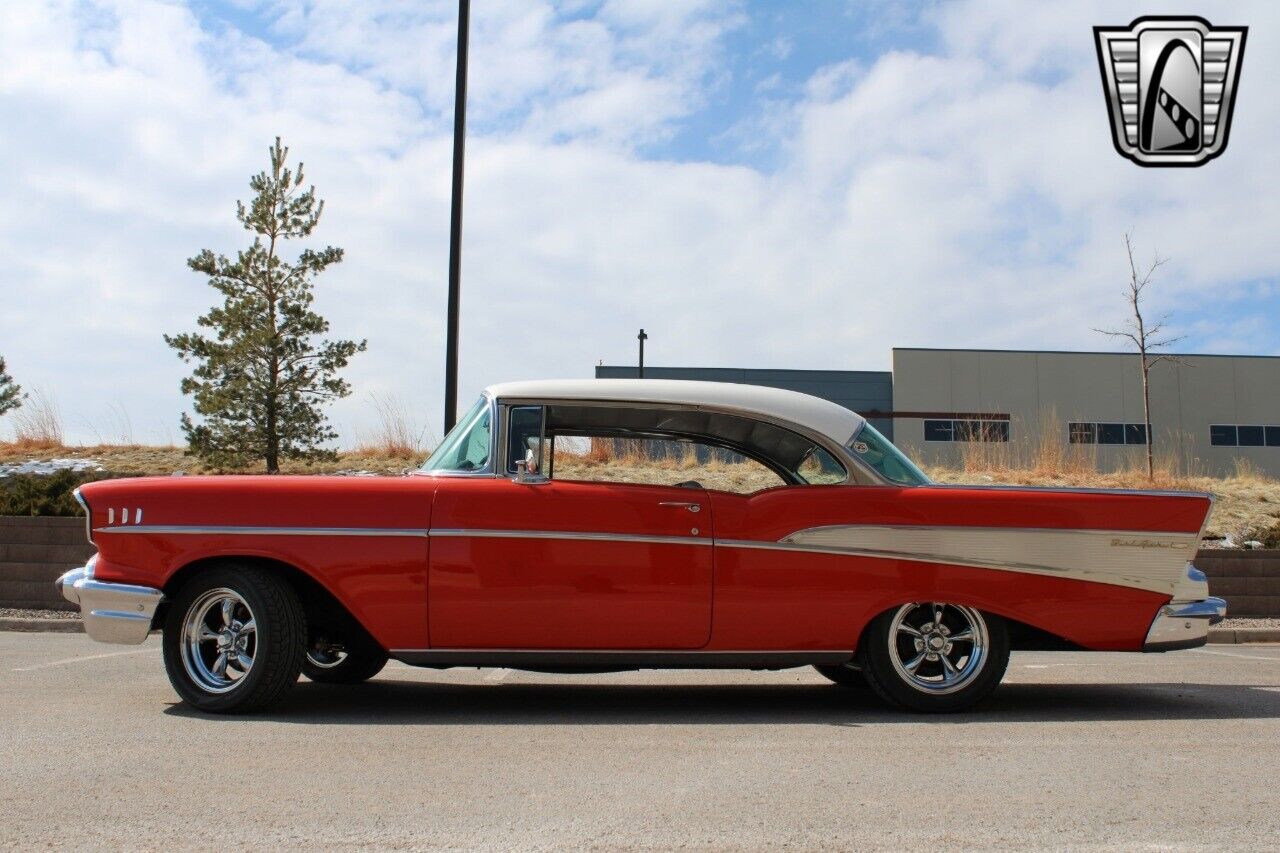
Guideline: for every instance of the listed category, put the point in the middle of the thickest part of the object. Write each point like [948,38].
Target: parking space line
[84,658]
[1230,655]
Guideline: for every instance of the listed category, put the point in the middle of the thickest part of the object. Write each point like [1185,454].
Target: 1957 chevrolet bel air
[521,544]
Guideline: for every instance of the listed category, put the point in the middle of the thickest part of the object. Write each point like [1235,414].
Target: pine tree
[261,379]
[10,392]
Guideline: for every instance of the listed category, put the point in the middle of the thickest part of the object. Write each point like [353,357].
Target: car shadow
[385,701]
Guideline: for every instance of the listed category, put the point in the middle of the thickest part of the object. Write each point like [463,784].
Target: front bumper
[113,612]
[1184,625]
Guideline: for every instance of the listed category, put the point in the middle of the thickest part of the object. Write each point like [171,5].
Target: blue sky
[757,184]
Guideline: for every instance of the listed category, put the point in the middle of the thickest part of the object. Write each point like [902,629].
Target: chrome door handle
[692,507]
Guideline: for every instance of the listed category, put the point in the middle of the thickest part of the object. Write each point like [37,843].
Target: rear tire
[934,657]
[842,674]
[350,664]
[234,640]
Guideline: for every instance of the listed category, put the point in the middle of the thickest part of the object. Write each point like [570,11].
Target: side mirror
[530,462]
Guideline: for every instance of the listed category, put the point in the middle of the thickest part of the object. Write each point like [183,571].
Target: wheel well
[322,609]
[1022,637]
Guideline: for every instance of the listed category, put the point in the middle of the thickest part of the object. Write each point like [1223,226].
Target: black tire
[842,674]
[896,688]
[278,643]
[358,662]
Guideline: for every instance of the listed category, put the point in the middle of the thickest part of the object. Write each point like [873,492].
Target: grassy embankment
[1248,503]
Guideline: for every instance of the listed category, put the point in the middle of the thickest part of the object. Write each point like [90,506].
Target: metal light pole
[642,337]
[455,221]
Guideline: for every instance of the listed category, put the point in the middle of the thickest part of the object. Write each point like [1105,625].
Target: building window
[1244,435]
[990,431]
[1250,436]
[1110,433]
[1079,433]
[1084,432]
[1222,435]
[937,431]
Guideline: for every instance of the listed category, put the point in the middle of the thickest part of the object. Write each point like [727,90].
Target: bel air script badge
[1146,543]
[1171,86]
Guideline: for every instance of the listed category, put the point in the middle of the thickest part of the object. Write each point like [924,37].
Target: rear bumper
[1184,625]
[113,612]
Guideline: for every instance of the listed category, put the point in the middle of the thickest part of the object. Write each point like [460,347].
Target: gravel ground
[1249,622]
[20,613]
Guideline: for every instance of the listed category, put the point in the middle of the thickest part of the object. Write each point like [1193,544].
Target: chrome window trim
[838,451]
[490,469]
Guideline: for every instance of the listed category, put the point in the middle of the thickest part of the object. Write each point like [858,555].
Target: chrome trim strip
[187,530]
[1000,487]
[88,513]
[559,659]
[569,534]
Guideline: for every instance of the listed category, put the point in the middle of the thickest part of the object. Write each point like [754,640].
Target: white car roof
[813,413]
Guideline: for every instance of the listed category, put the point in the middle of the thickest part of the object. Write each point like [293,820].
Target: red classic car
[604,525]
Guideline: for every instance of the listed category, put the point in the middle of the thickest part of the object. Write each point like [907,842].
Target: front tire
[234,640]
[934,657]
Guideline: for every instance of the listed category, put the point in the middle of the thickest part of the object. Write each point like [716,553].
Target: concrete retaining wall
[1248,580]
[34,551]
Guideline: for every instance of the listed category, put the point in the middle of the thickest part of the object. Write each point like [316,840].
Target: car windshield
[878,452]
[466,447]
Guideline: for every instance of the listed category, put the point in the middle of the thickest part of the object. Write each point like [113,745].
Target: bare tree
[1146,337]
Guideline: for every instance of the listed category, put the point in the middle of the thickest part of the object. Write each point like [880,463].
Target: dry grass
[1247,503]
[399,435]
[37,423]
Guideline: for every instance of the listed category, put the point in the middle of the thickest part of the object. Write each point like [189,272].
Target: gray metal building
[1207,411]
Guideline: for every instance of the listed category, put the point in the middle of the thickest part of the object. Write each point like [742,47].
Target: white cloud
[965,198]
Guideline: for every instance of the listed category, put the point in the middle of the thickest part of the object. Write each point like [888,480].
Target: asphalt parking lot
[1075,750]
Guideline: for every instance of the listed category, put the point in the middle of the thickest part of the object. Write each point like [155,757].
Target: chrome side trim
[570,534]
[187,530]
[998,487]
[1184,626]
[1153,561]
[113,612]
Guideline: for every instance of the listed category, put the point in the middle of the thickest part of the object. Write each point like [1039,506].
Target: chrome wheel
[326,655]
[219,640]
[936,647]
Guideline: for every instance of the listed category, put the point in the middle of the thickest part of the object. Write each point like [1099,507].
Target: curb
[1225,636]
[56,626]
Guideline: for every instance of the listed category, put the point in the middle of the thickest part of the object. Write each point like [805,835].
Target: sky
[757,184]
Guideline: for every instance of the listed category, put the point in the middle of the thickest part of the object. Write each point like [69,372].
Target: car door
[550,564]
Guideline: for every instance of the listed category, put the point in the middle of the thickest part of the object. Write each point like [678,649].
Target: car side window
[656,461]
[525,425]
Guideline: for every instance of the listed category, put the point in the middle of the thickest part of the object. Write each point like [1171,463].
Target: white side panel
[1142,560]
